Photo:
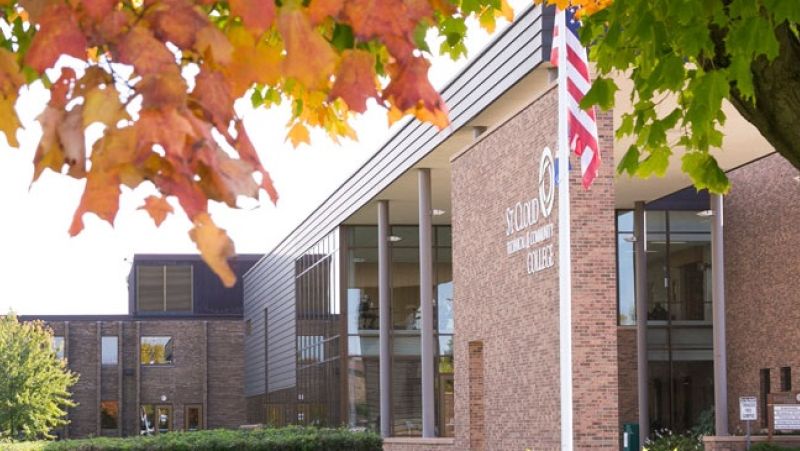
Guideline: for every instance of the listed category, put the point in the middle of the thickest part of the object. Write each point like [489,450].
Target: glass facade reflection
[679,329]
[362,326]
[319,334]
[336,329]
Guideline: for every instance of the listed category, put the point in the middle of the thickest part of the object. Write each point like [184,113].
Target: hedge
[770,447]
[282,439]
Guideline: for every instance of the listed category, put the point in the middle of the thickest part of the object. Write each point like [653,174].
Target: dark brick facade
[207,371]
[514,314]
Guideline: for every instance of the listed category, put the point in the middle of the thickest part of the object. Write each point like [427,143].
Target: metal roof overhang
[505,77]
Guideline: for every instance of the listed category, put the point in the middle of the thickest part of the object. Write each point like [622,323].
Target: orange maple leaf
[214,96]
[73,143]
[319,10]
[177,21]
[166,89]
[257,15]
[391,21]
[214,246]
[411,92]
[144,52]
[356,80]
[157,207]
[253,61]
[309,57]
[247,152]
[101,197]
[169,128]
[58,35]
[98,9]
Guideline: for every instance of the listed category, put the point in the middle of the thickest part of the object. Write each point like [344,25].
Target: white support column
[718,304]
[385,319]
[426,302]
[640,252]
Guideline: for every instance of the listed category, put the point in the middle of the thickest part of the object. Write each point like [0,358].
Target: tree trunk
[776,112]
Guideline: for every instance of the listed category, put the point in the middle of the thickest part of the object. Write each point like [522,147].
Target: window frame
[202,424]
[116,350]
[63,346]
[170,363]
[116,418]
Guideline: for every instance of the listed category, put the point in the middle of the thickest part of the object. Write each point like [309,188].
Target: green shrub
[282,439]
[665,440]
[770,447]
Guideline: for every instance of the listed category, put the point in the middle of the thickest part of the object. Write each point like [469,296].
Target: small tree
[34,383]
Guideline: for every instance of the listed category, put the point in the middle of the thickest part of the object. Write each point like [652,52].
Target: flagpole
[564,252]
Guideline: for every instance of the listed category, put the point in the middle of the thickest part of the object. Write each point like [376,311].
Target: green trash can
[630,437]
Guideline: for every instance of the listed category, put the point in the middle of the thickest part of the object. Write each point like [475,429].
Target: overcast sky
[44,271]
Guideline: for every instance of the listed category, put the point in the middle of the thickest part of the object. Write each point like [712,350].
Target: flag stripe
[582,124]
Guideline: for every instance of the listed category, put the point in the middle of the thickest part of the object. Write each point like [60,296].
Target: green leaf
[256,99]
[705,173]
[630,161]
[601,93]
[342,37]
[655,163]
[419,37]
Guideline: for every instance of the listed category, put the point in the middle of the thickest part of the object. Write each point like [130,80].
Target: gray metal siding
[270,287]
[512,55]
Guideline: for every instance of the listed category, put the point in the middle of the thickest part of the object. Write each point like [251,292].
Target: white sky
[44,271]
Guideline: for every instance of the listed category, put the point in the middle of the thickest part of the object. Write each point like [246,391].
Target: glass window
[156,350]
[109,350]
[164,288]
[194,417]
[362,289]
[58,346]
[318,326]
[147,420]
[163,419]
[109,414]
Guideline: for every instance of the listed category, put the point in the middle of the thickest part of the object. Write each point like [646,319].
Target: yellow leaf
[104,106]
[9,123]
[298,134]
[214,246]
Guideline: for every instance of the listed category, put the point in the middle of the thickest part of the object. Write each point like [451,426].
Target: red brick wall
[515,314]
[762,224]
[628,388]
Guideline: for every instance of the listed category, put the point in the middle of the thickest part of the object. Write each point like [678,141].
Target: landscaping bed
[281,439]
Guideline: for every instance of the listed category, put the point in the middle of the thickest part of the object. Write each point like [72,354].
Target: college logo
[547,182]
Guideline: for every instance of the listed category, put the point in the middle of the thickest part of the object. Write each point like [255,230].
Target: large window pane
[109,414]
[194,417]
[626,283]
[156,350]
[406,313]
[109,350]
[690,277]
[58,346]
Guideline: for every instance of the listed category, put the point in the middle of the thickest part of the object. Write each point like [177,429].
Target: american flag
[582,125]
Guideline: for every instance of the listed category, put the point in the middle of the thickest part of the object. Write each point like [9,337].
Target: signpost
[748,411]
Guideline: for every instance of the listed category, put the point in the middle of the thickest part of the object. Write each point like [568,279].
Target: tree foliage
[697,54]
[161,77]
[34,388]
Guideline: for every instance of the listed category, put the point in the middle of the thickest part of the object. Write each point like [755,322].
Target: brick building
[442,295]
[175,362]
